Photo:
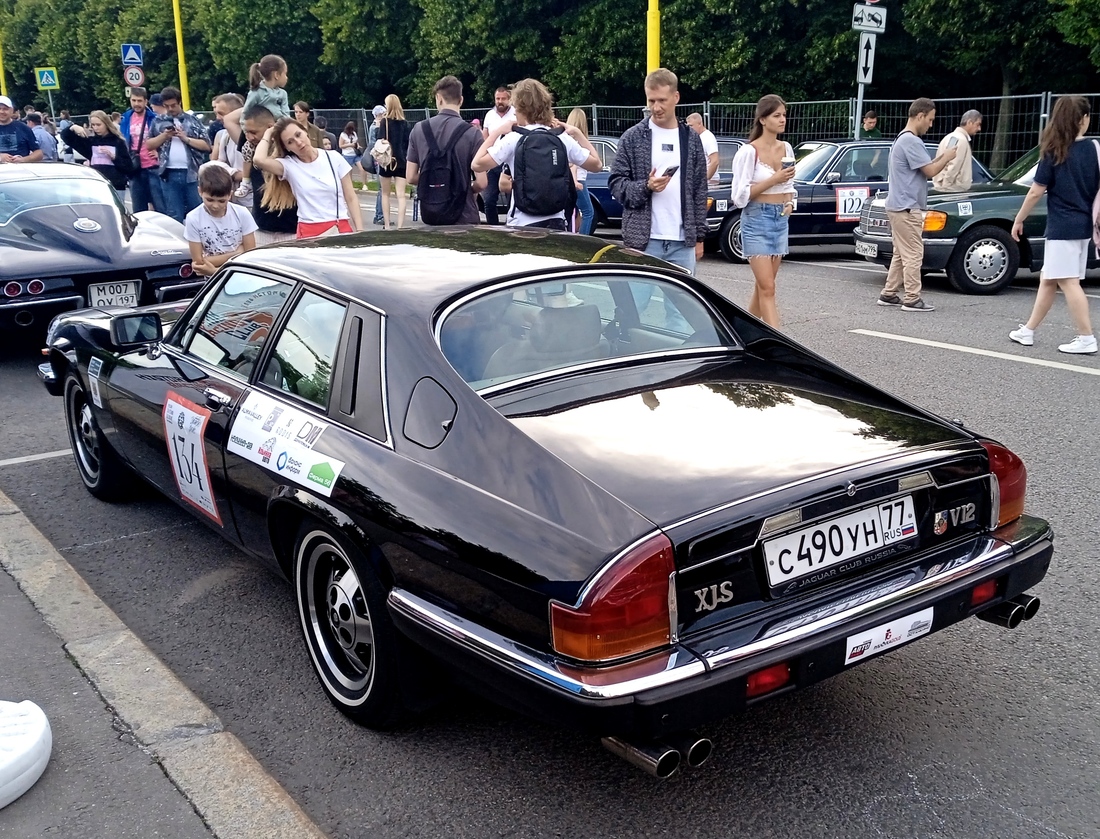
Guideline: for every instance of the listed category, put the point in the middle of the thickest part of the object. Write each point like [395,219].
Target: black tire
[103,472]
[729,239]
[601,217]
[351,640]
[984,261]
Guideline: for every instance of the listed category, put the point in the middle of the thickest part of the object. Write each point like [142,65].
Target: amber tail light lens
[1011,477]
[626,611]
[934,221]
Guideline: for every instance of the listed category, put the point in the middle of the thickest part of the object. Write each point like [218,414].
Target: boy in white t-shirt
[217,230]
[534,109]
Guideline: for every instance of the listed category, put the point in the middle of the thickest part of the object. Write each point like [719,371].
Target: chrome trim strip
[547,670]
[13,303]
[719,558]
[673,611]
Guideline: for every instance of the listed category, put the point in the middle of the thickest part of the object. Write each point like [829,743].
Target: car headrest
[561,330]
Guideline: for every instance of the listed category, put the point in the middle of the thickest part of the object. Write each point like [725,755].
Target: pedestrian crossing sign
[47,78]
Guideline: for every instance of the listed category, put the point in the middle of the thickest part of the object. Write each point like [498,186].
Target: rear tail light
[13,289]
[186,270]
[1011,482]
[767,680]
[36,286]
[627,610]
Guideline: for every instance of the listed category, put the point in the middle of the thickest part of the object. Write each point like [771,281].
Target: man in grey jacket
[660,177]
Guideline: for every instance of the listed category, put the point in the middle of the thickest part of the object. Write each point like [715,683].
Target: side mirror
[136,330]
[832,177]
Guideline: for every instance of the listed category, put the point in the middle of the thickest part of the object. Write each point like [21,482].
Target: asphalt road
[977,731]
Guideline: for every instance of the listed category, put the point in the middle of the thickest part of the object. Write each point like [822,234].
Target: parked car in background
[570,476]
[969,234]
[608,210]
[834,179]
[67,241]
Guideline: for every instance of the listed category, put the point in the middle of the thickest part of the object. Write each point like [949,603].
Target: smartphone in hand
[670,171]
[952,142]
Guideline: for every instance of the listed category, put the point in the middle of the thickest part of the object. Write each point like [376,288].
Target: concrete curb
[210,767]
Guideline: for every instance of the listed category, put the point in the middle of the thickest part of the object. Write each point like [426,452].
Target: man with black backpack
[441,151]
[538,149]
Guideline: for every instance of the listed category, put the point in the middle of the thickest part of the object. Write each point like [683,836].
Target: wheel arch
[290,508]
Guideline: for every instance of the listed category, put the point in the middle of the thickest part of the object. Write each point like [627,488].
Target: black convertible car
[568,474]
[67,242]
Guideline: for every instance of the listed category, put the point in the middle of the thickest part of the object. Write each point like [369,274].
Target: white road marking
[840,265]
[124,536]
[30,458]
[1040,362]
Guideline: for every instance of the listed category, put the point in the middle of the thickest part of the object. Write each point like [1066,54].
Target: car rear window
[19,196]
[553,324]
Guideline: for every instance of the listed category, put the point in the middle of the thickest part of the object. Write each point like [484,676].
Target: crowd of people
[276,172]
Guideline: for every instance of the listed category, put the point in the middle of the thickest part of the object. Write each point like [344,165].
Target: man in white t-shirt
[710,146]
[534,110]
[502,112]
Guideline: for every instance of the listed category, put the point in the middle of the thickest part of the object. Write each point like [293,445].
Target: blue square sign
[131,54]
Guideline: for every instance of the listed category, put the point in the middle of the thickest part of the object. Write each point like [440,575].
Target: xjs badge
[87,225]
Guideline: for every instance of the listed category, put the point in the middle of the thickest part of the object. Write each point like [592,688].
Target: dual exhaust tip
[662,758]
[1011,613]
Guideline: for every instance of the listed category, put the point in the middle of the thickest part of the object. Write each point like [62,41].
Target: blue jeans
[180,196]
[678,254]
[584,207]
[145,190]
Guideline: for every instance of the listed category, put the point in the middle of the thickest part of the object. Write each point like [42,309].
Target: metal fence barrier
[1011,125]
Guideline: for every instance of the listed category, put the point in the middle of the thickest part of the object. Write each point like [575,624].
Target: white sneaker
[1023,335]
[1081,345]
[244,190]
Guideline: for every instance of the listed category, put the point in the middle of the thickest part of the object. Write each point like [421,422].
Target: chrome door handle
[216,400]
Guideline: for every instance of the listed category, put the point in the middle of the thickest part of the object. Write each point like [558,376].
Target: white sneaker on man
[1081,345]
[1023,335]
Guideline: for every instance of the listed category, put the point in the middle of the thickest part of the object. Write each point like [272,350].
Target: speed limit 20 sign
[134,76]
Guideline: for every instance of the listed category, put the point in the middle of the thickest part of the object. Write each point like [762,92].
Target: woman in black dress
[395,129]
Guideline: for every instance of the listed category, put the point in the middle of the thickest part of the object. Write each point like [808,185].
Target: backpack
[444,182]
[541,182]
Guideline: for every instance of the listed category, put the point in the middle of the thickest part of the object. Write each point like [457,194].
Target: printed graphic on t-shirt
[103,155]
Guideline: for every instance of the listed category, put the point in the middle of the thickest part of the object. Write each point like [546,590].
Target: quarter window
[232,330]
[305,350]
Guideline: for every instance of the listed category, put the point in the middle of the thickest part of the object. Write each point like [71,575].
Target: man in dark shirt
[17,141]
[448,100]
[250,124]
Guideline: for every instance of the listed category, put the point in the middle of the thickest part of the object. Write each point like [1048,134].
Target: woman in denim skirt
[763,175]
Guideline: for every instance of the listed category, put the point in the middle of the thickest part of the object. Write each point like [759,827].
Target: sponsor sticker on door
[185,434]
[281,439]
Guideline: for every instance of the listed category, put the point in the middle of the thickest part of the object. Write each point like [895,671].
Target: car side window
[865,164]
[301,362]
[231,331]
[606,152]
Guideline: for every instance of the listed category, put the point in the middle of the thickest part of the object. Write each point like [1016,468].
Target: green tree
[1079,22]
[368,47]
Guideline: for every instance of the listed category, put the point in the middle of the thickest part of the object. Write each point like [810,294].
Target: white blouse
[749,169]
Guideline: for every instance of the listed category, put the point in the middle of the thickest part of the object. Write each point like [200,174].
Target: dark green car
[968,234]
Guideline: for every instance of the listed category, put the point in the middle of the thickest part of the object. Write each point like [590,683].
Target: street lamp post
[653,37]
[182,61]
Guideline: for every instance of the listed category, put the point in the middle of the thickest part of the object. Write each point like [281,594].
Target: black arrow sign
[866,58]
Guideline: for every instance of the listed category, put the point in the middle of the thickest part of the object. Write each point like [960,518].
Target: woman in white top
[318,181]
[349,148]
[763,171]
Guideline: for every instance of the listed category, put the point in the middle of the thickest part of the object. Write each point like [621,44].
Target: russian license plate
[838,540]
[879,639]
[866,249]
[124,293]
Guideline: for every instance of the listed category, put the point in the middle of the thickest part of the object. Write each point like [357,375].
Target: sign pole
[183,61]
[53,116]
[3,75]
[859,113]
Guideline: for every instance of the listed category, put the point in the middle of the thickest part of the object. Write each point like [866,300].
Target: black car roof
[419,269]
[30,171]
